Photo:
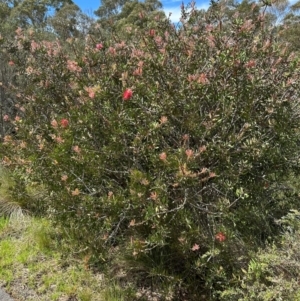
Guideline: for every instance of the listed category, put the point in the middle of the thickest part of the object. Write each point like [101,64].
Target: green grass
[33,255]
[8,206]
[38,262]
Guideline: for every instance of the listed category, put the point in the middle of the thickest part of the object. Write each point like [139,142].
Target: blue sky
[88,6]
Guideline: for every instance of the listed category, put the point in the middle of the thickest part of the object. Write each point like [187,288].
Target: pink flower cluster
[99,46]
[73,66]
[220,237]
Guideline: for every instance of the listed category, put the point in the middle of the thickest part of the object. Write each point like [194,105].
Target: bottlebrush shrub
[273,272]
[185,172]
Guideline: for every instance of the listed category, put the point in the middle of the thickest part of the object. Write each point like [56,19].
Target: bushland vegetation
[167,152]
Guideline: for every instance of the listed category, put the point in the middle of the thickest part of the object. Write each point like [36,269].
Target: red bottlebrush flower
[220,237]
[189,153]
[202,79]
[153,196]
[266,185]
[250,64]
[54,123]
[64,123]
[163,156]
[112,50]
[195,247]
[76,149]
[99,46]
[64,178]
[163,119]
[151,32]
[138,71]
[127,94]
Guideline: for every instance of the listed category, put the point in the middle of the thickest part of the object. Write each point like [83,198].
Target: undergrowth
[37,263]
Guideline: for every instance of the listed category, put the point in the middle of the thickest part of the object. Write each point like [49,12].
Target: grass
[37,264]
[8,206]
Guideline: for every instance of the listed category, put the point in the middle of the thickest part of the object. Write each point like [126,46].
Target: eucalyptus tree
[290,27]
[119,14]
[70,21]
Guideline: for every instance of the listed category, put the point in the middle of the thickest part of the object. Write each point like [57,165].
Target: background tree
[289,30]
[122,13]
[277,10]
[70,21]
[229,8]
[35,12]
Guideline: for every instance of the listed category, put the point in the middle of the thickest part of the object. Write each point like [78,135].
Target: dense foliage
[169,150]
[273,272]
